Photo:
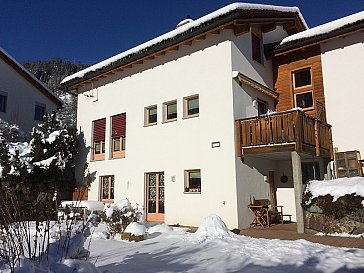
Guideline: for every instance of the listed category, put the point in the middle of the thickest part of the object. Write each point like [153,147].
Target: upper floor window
[304,100]
[302,78]
[262,107]
[170,111]
[191,106]
[3,101]
[257,47]
[118,135]
[99,127]
[107,188]
[39,111]
[302,88]
[150,115]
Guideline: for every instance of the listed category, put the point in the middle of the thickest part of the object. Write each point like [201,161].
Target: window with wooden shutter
[118,135]
[257,48]
[99,127]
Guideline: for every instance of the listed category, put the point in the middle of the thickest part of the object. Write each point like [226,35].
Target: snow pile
[336,188]
[325,28]
[179,31]
[174,252]
[162,228]
[136,229]
[211,228]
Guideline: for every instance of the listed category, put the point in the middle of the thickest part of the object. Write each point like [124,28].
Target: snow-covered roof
[183,30]
[328,28]
[31,77]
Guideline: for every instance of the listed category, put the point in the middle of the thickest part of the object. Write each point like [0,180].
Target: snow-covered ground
[214,249]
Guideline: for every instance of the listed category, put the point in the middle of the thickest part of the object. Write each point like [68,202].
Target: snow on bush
[136,229]
[336,188]
[119,215]
[211,228]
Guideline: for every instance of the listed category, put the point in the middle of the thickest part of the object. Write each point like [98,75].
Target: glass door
[155,197]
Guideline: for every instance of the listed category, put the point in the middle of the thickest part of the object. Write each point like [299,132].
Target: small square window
[99,147]
[304,100]
[107,188]
[39,112]
[193,181]
[191,105]
[151,115]
[170,111]
[302,78]
[3,100]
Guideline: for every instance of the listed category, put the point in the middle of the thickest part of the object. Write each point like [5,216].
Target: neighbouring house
[200,120]
[333,53]
[23,98]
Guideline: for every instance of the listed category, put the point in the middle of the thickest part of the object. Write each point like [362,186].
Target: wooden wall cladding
[283,67]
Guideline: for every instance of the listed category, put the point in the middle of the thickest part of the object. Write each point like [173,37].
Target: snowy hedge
[335,205]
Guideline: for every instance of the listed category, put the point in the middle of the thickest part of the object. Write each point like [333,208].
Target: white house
[23,98]
[178,124]
[341,48]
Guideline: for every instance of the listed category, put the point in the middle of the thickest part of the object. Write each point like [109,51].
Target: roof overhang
[30,77]
[239,20]
[243,79]
[318,39]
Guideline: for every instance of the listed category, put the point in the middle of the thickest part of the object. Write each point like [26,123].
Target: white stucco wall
[204,69]
[21,98]
[343,70]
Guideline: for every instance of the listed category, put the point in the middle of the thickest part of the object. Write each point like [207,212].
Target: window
[99,139]
[257,48]
[193,181]
[262,107]
[304,100]
[302,78]
[150,115]
[118,135]
[302,88]
[170,111]
[39,112]
[191,106]
[3,101]
[107,188]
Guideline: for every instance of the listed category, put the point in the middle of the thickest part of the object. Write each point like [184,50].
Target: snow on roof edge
[324,28]
[181,29]
[30,74]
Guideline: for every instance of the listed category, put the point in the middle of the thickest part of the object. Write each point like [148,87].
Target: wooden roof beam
[268,27]
[241,29]
[200,38]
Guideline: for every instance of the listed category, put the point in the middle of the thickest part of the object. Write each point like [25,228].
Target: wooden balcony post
[238,133]
[298,131]
[317,138]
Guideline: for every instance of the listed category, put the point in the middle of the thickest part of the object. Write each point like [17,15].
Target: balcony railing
[290,130]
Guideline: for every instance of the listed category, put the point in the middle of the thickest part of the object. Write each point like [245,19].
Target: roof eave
[39,86]
[216,22]
[294,45]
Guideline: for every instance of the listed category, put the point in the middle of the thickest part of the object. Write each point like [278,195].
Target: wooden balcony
[285,131]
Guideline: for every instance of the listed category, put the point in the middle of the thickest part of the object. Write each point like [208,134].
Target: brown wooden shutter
[99,129]
[256,50]
[118,125]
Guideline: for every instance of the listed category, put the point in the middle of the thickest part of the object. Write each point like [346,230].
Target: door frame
[153,217]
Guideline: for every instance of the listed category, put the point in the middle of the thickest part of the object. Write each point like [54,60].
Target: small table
[261,215]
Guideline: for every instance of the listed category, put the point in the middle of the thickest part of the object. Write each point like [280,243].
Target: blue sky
[89,31]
